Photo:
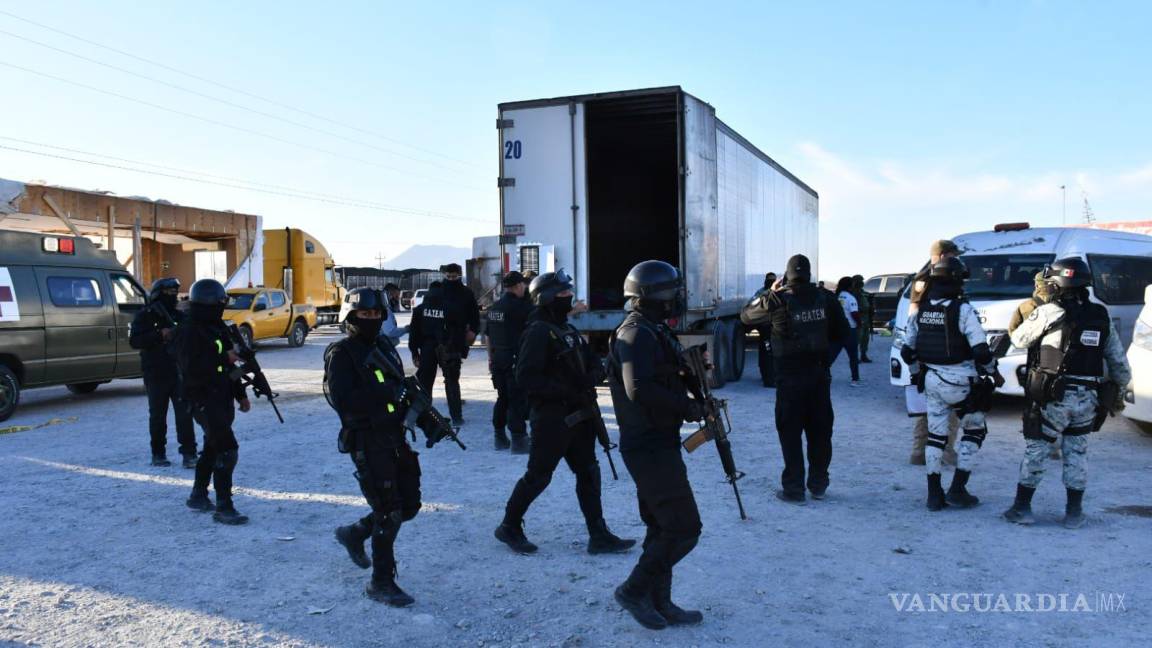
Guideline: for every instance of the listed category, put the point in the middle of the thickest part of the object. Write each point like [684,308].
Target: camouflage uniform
[1068,420]
[916,402]
[945,387]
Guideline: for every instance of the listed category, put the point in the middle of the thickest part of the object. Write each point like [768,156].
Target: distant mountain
[428,256]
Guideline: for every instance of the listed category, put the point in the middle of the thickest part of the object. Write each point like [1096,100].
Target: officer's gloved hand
[695,411]
[1118,403]
[997,378]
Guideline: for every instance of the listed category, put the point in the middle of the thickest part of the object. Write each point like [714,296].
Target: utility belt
[1045,387]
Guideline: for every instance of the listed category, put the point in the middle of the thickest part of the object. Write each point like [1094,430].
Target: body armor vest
[939,339]
[805,326]
[1083,335]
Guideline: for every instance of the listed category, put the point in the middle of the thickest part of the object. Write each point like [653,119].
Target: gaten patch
[12,429]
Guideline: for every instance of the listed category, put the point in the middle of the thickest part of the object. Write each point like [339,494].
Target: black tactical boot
[189,461]
[672,613]
[635,596]
[160,460]
[935,493]
[513,536]
[502,442]
[1073,511]
[520,444]
[1021,511]
[601,540]
[385,590]
[353,537]
[200,502]
[958,494]
[790,497]
[227,514]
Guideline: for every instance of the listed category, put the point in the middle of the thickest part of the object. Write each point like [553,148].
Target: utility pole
[380,260]
[1064,198]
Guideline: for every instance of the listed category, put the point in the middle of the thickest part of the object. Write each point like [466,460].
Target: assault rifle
[716,426]
[156,308]
[589,411]
[249,372]
[422,414]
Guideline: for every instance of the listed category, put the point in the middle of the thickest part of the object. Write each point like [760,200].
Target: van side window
[873,285]
[1119,280]
[75,292]
[309,248]
[129,297]
[277,299]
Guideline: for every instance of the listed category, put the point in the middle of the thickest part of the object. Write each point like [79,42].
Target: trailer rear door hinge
[501,124]
[505,182]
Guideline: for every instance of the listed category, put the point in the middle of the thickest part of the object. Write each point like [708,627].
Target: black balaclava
[168,301]
[209,313]
[559,307]
[940,288]
[366,330]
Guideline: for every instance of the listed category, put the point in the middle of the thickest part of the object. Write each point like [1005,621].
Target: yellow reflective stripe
[391,408]
[219,346]
[219,369]
[380,376]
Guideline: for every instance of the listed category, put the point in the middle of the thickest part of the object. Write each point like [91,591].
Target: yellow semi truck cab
[266,313]
[300,265]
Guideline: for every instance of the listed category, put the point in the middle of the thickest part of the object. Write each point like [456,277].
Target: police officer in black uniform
[205,358]
[803,321]
[651,402]
[555,367]
[439,337]
[462,313]
[764,348]
[152,331]
[371,411]
[505,322]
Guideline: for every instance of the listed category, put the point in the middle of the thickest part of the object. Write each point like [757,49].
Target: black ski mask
[560,306]
[365,329]
[206,312]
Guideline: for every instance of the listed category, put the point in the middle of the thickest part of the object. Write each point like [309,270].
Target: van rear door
[130,300]
[80,325]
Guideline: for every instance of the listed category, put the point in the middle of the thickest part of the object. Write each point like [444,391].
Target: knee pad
[386,524]
[975,436]
[938,441]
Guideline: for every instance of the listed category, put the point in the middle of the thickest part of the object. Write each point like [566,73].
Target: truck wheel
[736,367]
[720,350]
[83,388]
[246,335]
[297,334]
[9,392]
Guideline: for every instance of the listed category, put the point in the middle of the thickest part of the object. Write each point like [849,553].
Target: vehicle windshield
[240,301]
[1003,276]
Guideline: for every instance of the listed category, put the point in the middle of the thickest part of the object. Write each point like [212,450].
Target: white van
[1003,263]
[1139,394]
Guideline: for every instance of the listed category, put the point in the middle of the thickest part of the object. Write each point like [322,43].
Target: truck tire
[246,335]
[9,392]
[83,388]
[720,350]
[298,333]
[738,351]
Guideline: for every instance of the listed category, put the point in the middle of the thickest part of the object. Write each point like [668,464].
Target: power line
[303,196]
[225,102]
[233,89]
[218,122]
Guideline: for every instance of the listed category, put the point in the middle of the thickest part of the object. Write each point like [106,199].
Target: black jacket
[804,321]
[364,400]
[156,356]
[202,358]
[506,320]
[650,397]
[548,378]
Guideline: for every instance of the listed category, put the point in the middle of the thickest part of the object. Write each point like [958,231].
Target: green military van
[65,309]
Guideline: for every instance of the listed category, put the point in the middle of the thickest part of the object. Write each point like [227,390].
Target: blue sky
[913,120]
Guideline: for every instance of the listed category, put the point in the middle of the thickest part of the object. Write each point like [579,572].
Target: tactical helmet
[363,299]
[656,280]
[545,287]
[1069,273]
[208,292]
[162,284]
[951,268]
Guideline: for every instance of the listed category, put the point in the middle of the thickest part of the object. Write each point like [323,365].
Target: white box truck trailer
[597,183]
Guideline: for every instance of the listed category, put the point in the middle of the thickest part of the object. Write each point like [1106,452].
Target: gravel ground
[100,550]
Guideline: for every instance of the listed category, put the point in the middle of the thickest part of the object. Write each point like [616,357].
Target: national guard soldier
[205,357]
[371,409]
[958,374]
[1070,340]
[505,323]
[651,402]
[152,332]
[913,396]
[556,369]
[803,321]
[1041,294]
